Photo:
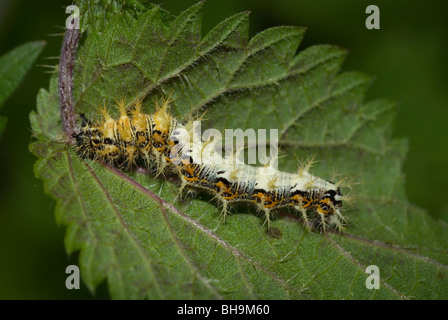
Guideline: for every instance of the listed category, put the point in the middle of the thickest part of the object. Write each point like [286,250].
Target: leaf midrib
[236,253]
[145,258]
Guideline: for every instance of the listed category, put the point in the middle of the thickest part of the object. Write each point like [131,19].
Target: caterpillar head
[88,139]
[95,142]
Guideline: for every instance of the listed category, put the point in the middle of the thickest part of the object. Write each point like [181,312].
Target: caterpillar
[160,142]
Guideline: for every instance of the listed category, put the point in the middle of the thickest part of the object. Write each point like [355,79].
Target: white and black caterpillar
[159,141]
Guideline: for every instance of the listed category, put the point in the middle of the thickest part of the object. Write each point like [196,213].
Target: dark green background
[408,56]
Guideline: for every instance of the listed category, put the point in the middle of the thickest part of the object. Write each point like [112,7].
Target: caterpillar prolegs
[160,142]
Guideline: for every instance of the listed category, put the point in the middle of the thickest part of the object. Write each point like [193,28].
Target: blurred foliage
[407,57]
[13,67]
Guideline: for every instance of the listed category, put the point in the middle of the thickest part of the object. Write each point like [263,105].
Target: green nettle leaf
[14,65]
[96,14]
[131,231]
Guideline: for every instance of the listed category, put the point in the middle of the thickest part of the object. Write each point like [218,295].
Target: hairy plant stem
[65,82]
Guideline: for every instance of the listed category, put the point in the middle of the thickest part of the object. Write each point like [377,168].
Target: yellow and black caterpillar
[160,142]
